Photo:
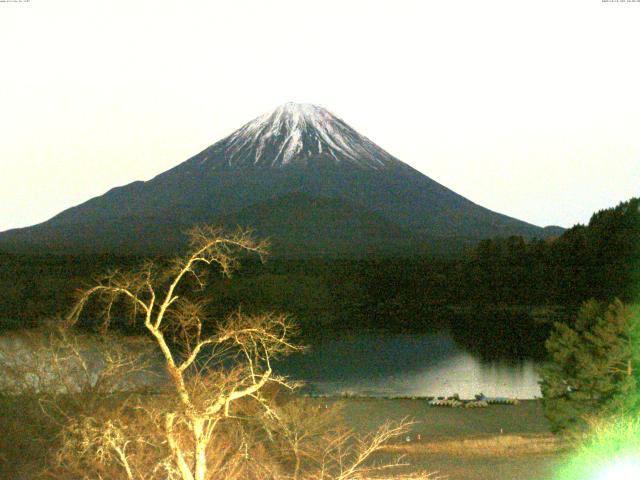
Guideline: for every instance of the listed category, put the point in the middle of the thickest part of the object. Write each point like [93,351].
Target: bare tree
[197,362]
[50,376]
[312,433]
[219,418]
[51,361]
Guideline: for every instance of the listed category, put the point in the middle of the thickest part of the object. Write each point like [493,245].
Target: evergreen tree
[594,366]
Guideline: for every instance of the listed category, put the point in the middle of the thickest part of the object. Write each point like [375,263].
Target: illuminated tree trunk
[200,449]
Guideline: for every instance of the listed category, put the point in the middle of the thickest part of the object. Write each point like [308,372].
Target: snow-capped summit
[298,175]
[295,133]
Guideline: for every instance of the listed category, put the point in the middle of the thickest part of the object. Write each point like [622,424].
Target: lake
[373,364]
[426,364]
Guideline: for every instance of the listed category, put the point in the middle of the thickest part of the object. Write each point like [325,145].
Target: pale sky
[530,108]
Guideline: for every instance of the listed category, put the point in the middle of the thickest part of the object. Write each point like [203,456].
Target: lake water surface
[428,364]
[372,364]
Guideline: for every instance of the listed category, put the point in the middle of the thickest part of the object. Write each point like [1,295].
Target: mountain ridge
[295,148]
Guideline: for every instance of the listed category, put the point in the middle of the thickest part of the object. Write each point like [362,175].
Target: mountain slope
[322,226]
[296,150]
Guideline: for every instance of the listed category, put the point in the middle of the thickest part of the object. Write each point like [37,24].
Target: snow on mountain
[299,175]
[295,133]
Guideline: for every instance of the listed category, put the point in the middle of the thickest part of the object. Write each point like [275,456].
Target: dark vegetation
[594,366]
[221,411]
[591,373]
[499,298]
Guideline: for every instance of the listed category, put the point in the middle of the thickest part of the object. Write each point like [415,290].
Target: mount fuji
[299,175]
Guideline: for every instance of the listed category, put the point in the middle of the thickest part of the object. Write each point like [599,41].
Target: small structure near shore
[480,401]
[448,402]
[453,401]
[497,400]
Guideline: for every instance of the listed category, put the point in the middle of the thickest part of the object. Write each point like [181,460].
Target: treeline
[36,287]
[600,260]
[501,297]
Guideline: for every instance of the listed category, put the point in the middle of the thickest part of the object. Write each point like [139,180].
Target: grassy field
[495,443]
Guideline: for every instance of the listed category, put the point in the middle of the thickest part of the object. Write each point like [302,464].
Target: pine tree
[593,367]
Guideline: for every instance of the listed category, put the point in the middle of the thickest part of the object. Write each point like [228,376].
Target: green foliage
[611,449]
[600,260]
[488,296]
[503,331]
[594,366]
[402,294]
